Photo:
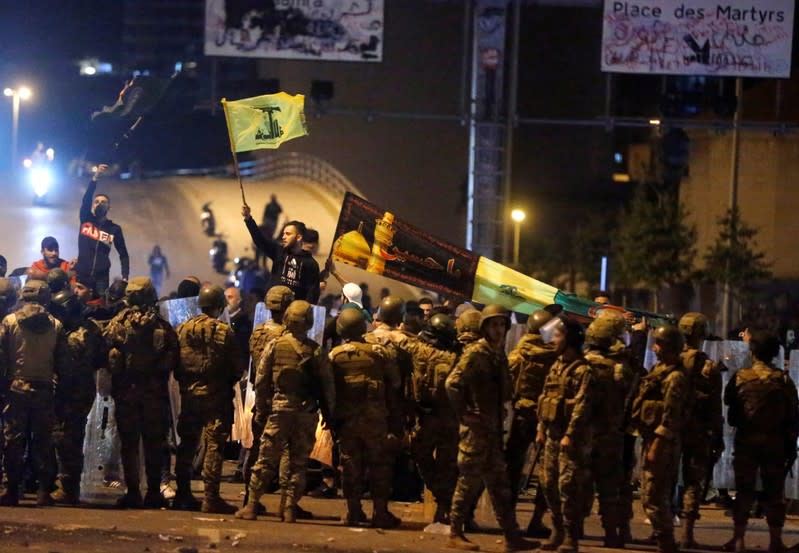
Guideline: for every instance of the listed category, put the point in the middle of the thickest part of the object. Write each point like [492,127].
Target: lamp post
[16,94]
[518,216]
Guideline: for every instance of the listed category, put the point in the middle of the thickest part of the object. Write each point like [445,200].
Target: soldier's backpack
[432,367]
[761,400]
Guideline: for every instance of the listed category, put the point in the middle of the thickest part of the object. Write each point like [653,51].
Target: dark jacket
[95,239]
[299,271]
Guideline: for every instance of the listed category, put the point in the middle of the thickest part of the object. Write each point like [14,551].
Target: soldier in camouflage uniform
[763,409]
[435,443]
[468,327]
[32,350]
[477,387]
[613,380]
[75,391]
[143,351]
[277,299]
[362,373]
[293,381]
[658,414]
[211,362]
[703,439]
[8,297]
[388,334]
[529,364]
[564,431]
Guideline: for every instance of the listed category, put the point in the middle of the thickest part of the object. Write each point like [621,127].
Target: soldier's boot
[302,514]
[736,544]
[131,499]
[382,517]
[10,497]
[665,543]
[612,539]
[355,514]
[687,541]
[442,514]
[571,541]
[457,540]
[515,542]
[250,510]
[775,544]
[557,537]
[43,498]
[153,498]
[625,533]
[215,504]
[184,500]
[536,528]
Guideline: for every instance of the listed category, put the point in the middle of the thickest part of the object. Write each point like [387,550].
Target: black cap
[49,243]
[87,280]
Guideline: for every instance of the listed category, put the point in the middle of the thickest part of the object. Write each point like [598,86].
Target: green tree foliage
[654,245]
[733,259]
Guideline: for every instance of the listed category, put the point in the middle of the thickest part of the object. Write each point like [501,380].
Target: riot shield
[792,481]
[102,474]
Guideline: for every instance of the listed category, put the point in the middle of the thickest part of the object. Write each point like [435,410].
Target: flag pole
[233,151]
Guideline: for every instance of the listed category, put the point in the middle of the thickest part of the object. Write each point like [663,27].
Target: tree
[654,245]
[732,260]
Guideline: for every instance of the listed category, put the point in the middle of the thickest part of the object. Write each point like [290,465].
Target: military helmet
[391,310]
[442,327]
[65,304]
[140,291]
[298,316]
[602,332]
[492,311]
[469,321]
[211,295]
[36,291]
[573,331]
[537,320]
[693,325]
[57,280]
[116,291]
[8,294]
[350,323]
[617,318]
[278,298]
[669,338]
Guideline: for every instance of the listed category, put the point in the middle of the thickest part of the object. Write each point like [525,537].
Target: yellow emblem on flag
[264,121]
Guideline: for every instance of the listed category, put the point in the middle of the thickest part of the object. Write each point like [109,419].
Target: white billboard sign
[338,30]
[742,38]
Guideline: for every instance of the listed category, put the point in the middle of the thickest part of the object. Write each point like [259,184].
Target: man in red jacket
[50,260]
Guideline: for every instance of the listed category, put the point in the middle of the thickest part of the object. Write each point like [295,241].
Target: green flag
[264,121]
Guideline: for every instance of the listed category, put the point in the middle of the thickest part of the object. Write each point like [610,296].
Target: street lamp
[21,93]
[518,216]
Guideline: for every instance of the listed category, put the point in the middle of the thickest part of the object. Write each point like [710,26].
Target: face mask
[547,331]
[101,210]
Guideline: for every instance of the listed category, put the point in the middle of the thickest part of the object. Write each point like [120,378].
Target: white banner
[742,38]
[337,30]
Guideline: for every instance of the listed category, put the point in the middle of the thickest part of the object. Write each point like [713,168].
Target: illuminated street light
[518,216]
[21,93]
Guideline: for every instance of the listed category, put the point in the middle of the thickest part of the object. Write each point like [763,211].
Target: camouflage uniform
[705,432]
[143,350]
[292,378]
[658,412]
[32,350]
[211,362]
[564,410]
[435,443]
[260,338]
[398,344]
[529,364]
[613,381]
[363,373]
[74,396]
[477,387]
[763,408]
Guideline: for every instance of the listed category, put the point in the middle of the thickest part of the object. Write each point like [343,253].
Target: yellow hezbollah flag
[264,121]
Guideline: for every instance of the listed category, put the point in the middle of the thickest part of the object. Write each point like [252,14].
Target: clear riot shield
[178,311]
[735,356]
[514,335]
[243,402]
[100,481]
[792,481]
